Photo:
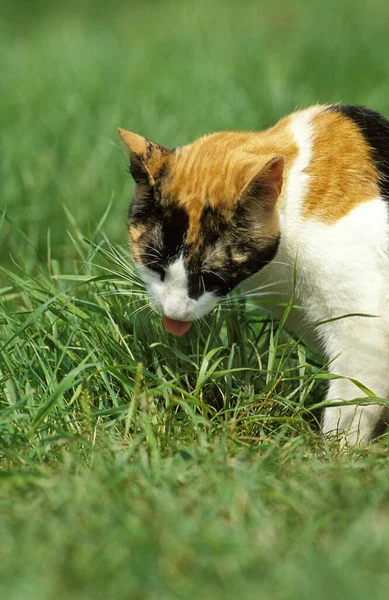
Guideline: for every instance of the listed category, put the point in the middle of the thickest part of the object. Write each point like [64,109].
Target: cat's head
[202,220]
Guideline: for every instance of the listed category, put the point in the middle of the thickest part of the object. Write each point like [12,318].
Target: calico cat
[305,199]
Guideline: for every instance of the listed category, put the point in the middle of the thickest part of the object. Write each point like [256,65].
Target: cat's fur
[309,195]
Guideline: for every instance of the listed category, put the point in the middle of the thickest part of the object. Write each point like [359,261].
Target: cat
[303,203]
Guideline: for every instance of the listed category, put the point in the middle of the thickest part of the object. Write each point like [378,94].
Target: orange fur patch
[135,234]
[215,169]
[341,172]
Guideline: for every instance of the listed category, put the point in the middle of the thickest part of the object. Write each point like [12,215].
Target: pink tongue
[176,327]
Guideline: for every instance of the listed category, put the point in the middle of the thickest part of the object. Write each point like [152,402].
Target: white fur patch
[341,268]
[171,296]
[297,182]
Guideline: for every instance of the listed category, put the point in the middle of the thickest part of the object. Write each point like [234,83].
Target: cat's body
[308,198]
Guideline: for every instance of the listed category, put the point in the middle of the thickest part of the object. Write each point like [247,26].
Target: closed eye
[160,270]
[156,268]
[152,260]
[211,280]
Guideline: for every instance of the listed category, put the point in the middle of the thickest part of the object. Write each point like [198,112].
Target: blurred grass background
[135,465]
[72,72]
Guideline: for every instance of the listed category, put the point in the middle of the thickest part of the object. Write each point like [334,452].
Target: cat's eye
[210,281]
[159,270]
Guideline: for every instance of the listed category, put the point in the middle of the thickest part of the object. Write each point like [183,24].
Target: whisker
[138,310]
[279,262]
[148,254]
[203,320]
[247,293]
[219,248]
[121,276]
[114,254]
[152,262]
[264,286]
[217,275]
[243,298]
[260,294]
[154,251]
[115,257]
[124,293]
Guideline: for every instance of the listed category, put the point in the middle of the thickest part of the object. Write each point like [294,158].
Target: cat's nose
[176,307]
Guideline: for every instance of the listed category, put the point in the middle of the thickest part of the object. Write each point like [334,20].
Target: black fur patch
[235,235]
[137,170]
[375,129]
[145,209]
[166,228]
[221,281]
[175,225]
[212,225]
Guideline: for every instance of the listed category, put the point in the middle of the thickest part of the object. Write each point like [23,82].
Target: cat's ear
[266,184]
[146,158]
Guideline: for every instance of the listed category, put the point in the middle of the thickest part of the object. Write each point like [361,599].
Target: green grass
[133,464]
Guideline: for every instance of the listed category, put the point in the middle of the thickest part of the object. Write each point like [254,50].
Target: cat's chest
[274,288]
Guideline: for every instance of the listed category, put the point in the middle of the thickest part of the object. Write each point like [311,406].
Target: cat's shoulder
[347,157]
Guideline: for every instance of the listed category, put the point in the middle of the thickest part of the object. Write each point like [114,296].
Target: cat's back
[343,157]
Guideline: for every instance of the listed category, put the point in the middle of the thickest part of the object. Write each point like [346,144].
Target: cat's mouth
[176,327]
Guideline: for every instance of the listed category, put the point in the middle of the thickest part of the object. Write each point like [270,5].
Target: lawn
[133,464]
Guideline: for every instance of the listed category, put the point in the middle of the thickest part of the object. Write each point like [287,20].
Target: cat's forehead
[212,171]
